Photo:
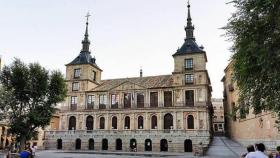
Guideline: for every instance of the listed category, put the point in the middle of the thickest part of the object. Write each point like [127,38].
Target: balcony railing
[73,107]
[102,106]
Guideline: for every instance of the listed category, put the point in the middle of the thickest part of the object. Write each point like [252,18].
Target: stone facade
[218,116]
[153,113]
[252,129]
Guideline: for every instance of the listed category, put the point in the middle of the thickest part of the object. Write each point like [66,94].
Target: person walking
[259,153]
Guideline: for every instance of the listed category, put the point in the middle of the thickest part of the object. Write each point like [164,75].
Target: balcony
[73,107]
[114,106]
[89,106]
[102,106]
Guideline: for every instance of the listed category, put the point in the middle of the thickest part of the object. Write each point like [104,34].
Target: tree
[29,94]
[255,30]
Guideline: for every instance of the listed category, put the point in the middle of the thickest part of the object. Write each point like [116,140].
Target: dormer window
[188,64]
[77,73]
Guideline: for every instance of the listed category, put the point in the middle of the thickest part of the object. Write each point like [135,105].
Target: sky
[125,34]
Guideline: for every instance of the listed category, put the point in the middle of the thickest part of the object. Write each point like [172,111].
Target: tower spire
[189,28]
[86,41]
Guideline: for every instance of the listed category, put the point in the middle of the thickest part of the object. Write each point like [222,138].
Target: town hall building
[147,113]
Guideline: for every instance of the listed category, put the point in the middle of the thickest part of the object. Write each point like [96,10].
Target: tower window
[94,75]
[189,64]
[74,100]
[77,73]
[189,78]
[75,86]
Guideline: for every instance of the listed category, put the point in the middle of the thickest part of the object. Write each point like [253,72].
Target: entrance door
[118,144]
[78,144]
[163,145]
[133,145]
[90,144]
[59,144]
[104,144]
[148,145]
[188,145]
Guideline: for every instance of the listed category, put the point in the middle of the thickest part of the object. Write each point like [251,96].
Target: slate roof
[84,58]
[189,47]
[146,82]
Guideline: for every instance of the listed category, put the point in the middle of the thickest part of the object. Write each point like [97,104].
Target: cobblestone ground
[221,147]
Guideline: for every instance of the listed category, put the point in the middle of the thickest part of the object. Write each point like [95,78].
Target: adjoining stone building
[218,116]
[155,113]
[248,129]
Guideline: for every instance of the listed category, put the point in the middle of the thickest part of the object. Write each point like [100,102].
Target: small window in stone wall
[75,86]
[77,73]
[189,79]
[189,64]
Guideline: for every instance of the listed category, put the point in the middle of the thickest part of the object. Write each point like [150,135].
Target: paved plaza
[221,147]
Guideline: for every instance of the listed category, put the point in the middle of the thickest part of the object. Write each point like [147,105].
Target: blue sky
[124,34]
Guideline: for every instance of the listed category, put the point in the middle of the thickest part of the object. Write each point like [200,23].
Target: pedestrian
[277,152]
[33,149]
[259,153]
[25,153]
[250,148]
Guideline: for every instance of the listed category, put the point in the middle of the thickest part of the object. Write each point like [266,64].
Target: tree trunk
[22,143]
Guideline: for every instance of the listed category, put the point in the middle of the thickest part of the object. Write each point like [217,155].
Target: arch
[89,123]
[78,144]
[148,145]
[168,121]
[163,145]
[91,144]
[188,145]
[114,122]
[154,122]
[72,123]
[133,144]
[102,123]
[190,121]
[104,144]
[59,144]
[118,144]
[127,122]
[140,122]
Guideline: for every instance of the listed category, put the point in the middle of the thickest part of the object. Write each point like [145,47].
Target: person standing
[259,153]
[250,148]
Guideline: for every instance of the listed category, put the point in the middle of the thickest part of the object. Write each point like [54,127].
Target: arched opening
[140,122]
[102,123]
[188,145]
[114,123]
[148,145]
[127,122]
[168,121]
[78,144]
[133,145]
[89,123]
[59,144]
[163,145]
[118,144]
[90,144]
[154,122]
[104,144]
[72,123]
[190,122]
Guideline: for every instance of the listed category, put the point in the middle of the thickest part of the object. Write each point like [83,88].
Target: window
[189,97]
[220,126]
[190,121]
[75,86]
[114,122]
[102,123]
[102,101]
[222,117]
[127,100]
[140,122]
[90,101]
[127,122]
[77,73]
[189,78]
[167,99]
[189,64]
[94,75]
[154,99]
[74,100]
[154,122]
[114,101]
[140,100]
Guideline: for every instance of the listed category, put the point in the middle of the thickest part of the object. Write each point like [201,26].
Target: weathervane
[87,16]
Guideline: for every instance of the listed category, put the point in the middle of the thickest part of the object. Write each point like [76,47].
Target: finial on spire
[189,28]
[86,41]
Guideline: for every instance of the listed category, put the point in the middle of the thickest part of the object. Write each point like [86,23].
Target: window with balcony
[188,64]
[102,123]
[189,98]
[189,79]
[114,101]
[74,101]
[154,122]
[167,99]
[127,122]
[127,100]
[154,99]
[102,101]
[90,101]
[77,73]
[75,86]
[140,100]
[140,122]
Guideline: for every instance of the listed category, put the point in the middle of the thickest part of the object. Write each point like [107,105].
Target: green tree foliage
[28,95]
[255,30]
